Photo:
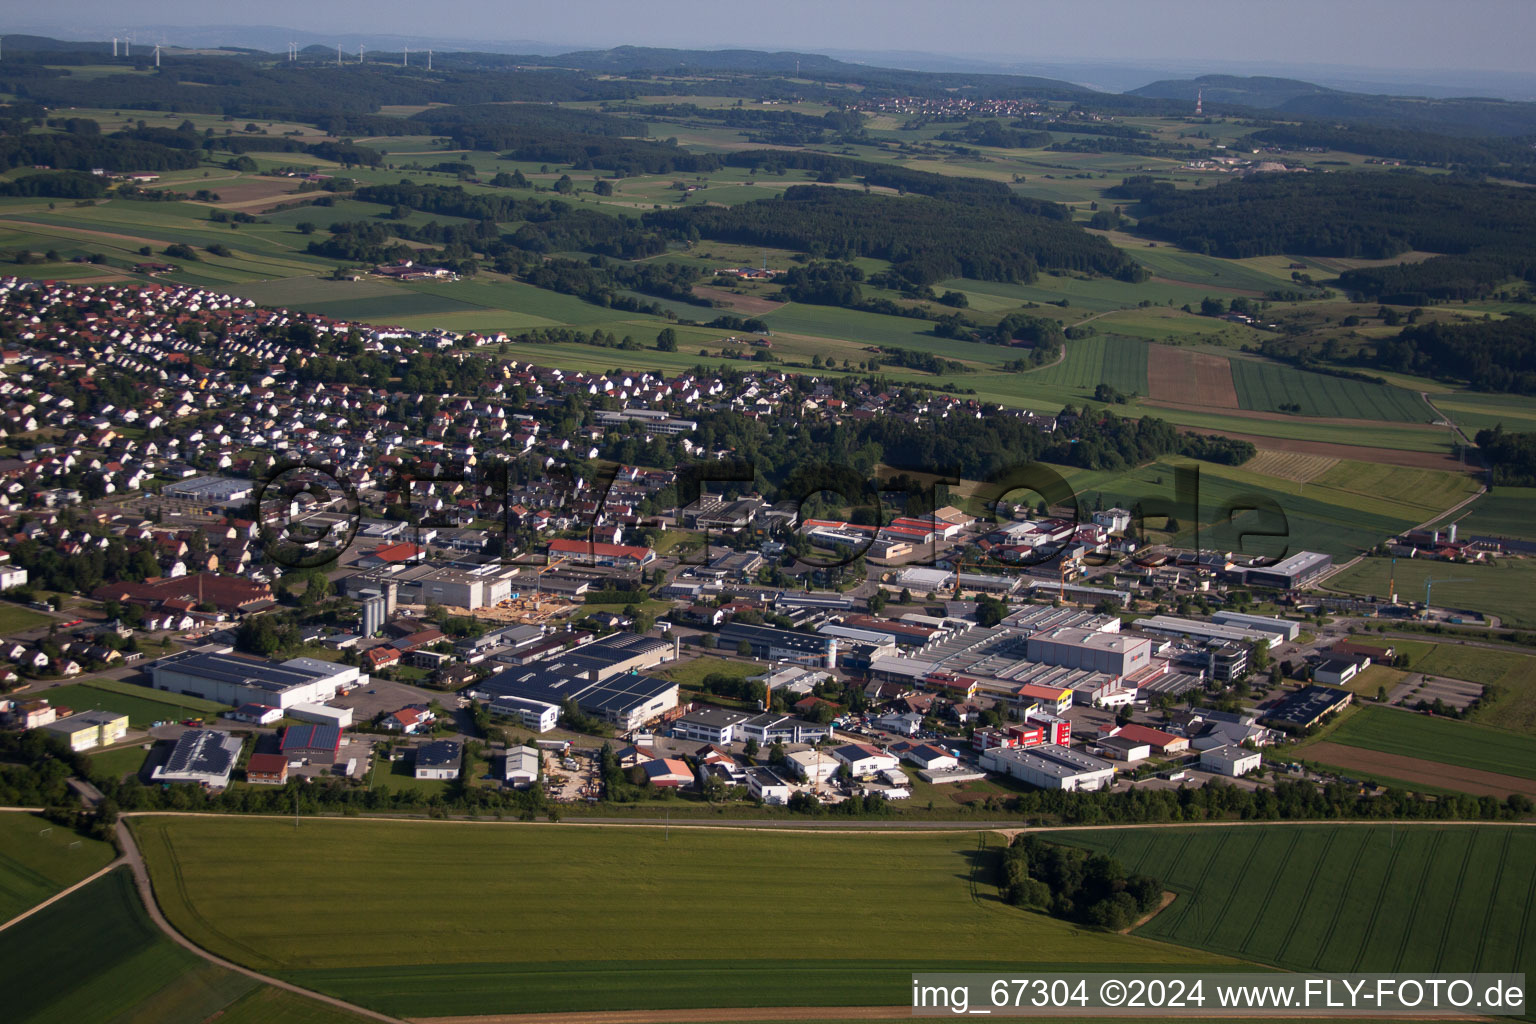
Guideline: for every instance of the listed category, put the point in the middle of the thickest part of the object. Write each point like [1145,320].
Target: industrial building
[1230,761]
[1110,653]
[769,786]
[202,756]
[1292,573]
[89,729]
[1286,629]
[213,489]
[1173,625]
[1051,767]
[602,677]
[770,728]
[215,673]
[590,552]
[654,421]
[321,714]
[438,760]
[710,725]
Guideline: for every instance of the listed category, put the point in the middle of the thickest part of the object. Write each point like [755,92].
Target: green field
[1269,386]
[1101,359]
[490,912]
[691,673]
[141,704]
[1439,739]
[1509,675]
[1503,588]
[1503,512]
[38,858]
[14,618]
[1342,897]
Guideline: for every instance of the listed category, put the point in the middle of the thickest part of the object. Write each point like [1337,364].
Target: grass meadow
[491,913]
[141,704]
[1502,512]
[1503,588]
[1341,897]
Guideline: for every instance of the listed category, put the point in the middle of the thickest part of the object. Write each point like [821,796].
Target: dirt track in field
[1178,375]
[1389,456]
[1285,417]
[706,1016]
[1413,769]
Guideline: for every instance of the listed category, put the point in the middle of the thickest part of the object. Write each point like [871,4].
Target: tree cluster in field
[925,240]
[1491,355]
[1074,884]
[1512,457]
[82,150]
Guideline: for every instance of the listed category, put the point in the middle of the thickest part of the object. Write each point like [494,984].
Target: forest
[1512,457]
[1074,884]
[1482,229]
[926,240]
[1510,158]
[1492,355]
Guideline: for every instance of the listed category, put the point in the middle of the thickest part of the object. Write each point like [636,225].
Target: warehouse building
[1286,629]
[1072,647]
[202,756]
[215,490]
[521,769]
[89,729]
[315,744]
[215,673]
[1173,625]
[1051,767]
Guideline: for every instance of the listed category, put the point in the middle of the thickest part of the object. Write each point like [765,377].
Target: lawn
[38,858]
[490,907]
[119,761]
[1342,898]
[141,710]
[1503,588]
[14,618]
[691,674]
[1446,740]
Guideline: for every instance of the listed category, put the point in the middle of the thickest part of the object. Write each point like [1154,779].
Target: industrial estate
[403,492]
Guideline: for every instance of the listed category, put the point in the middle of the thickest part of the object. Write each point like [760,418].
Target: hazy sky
[1426,34]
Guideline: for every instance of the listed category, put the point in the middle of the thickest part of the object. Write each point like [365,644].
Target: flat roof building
[1307,706]
[1050,767]
[1292,573]
[770,643]
[1072,647]
[215,673]
[203,756]
[438,760]
[602,677]
[1286,629]
[521,768]
[89,729]
[1173,625]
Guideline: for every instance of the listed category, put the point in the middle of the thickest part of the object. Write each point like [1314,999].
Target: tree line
[1490,355]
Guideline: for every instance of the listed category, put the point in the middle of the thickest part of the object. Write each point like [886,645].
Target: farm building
[1230,761]
[438,760]
[90,729]
[266,770]
[317,744]
[1307,706]
[1050,767]
[204,756]
[522,767]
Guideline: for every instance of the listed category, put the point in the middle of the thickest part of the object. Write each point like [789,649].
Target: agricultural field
[1394,731]
[1341,897]
[1503,512]
[141,704]
[1274,387]
[38,858]
[1509,675]
[1100,359]
[1502,588]
[913,899]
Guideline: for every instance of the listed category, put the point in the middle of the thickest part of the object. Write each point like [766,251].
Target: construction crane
[538,577]
[1430,583]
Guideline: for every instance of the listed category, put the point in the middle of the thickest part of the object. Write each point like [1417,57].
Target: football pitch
[430,918]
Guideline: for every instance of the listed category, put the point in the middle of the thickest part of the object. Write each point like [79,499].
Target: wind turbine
[338,55]
[293,51]
[361,52]
[429,60]
[157,55]
[114,46]
[405,56]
